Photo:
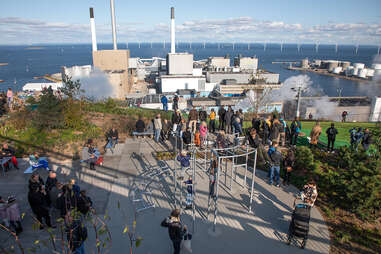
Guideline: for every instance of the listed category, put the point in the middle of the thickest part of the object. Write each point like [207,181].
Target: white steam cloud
[96,85]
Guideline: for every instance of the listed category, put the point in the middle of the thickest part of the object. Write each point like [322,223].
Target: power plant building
[246,63]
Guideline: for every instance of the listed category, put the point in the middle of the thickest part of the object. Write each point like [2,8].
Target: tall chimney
[173,45]
[93,34]
[113,24]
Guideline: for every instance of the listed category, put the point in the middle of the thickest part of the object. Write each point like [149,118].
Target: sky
[254,21]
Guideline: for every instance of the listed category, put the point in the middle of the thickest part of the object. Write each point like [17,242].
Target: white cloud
[231,29]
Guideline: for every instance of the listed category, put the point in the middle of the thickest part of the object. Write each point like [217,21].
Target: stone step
[116,151]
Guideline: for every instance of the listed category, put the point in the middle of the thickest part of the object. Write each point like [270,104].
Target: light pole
[339,90]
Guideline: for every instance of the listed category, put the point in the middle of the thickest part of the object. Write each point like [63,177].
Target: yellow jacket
[212,115]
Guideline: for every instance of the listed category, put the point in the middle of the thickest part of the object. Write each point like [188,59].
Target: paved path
[262,231]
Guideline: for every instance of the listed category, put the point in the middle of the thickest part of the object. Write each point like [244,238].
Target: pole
[253,180]
[298,103]
[113,24]
[194,190]
[173,45]
[174,168]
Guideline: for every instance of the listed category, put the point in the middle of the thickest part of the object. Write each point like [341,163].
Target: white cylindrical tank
[332,65]
[376,66]
[362,73]
[370,73]
[359,65]
[338,70]
[305,63]
[355,71]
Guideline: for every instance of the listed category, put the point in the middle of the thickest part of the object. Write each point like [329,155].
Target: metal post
[194,190]
[216,199]
[174,168]
[298,103]
[253,180]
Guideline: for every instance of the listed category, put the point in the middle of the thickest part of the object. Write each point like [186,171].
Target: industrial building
[246,63]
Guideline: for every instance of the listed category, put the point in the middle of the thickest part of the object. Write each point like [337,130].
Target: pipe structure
[113,24]
[173,45]
[93,34]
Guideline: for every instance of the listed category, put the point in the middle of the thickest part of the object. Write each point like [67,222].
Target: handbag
[186,244]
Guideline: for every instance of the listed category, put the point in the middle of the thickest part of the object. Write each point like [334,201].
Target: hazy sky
[303,21]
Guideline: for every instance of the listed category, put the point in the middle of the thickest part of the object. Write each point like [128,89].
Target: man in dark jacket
[228,120]
[187,137]
[140,125]
[202,115]
[37,201]
[331,134]
[296,128]
[193,117]
[176,230]
[76,233]
[84,202]
[276,160]
[367,139]
[221,118]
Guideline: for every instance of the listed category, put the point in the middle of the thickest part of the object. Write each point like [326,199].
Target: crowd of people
[51,200]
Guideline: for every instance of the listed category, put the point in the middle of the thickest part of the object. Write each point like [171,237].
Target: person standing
[203,134]
[212,117]
[164,101]
[256,123]
[366,139]
[9,97]
[37,201]
[276,159]
[54,194]
[296,128]
[76,233]
[344,116]
[282,131]
[314,135]
[176,102]
[288,165]
[13,214]
[158,126]
[221,118]
[193,118]
[228,120]
[176,120]
[176,229]
[331,134]
[275,130]
[266,126]
[203,115]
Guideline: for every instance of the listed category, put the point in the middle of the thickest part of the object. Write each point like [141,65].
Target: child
[189,198]
[197,141]
[13,214]
[184,158]
[203,132]
[3,213]
[212,178]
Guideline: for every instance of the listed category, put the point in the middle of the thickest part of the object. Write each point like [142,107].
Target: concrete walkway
[237,231]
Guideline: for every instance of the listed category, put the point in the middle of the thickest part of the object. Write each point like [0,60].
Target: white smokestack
[93,34]
[173,45]
[113,24]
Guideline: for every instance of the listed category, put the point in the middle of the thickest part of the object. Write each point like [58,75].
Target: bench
[142,134]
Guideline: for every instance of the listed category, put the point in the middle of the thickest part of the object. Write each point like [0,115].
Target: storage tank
[349,70]
[376,66]
[370,73]
[337,70]
[359,65]
[305,63]
[362,73]
[345,64]
[332,65]
[355,71]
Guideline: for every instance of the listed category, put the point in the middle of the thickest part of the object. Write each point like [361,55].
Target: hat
[11,199]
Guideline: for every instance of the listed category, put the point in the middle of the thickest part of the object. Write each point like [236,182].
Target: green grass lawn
[342,138]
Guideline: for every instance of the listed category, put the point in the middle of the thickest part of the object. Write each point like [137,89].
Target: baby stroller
[300,224]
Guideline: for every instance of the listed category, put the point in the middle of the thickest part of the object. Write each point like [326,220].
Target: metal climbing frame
[232,153]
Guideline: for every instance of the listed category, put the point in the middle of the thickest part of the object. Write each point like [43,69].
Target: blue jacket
[184,161]
[164,100]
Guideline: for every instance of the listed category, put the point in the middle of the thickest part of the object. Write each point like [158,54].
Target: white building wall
[375,115]
[219,62]
[180,64]
[270,78]
[173,84]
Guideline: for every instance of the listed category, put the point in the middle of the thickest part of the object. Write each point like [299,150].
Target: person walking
[331,134]
[314,135]
[212,118]
[9,97]
[176,229]
[276,159]
[228,120]
[221,118]
[193,118]
[344,116]
[158,126]
[164,101]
